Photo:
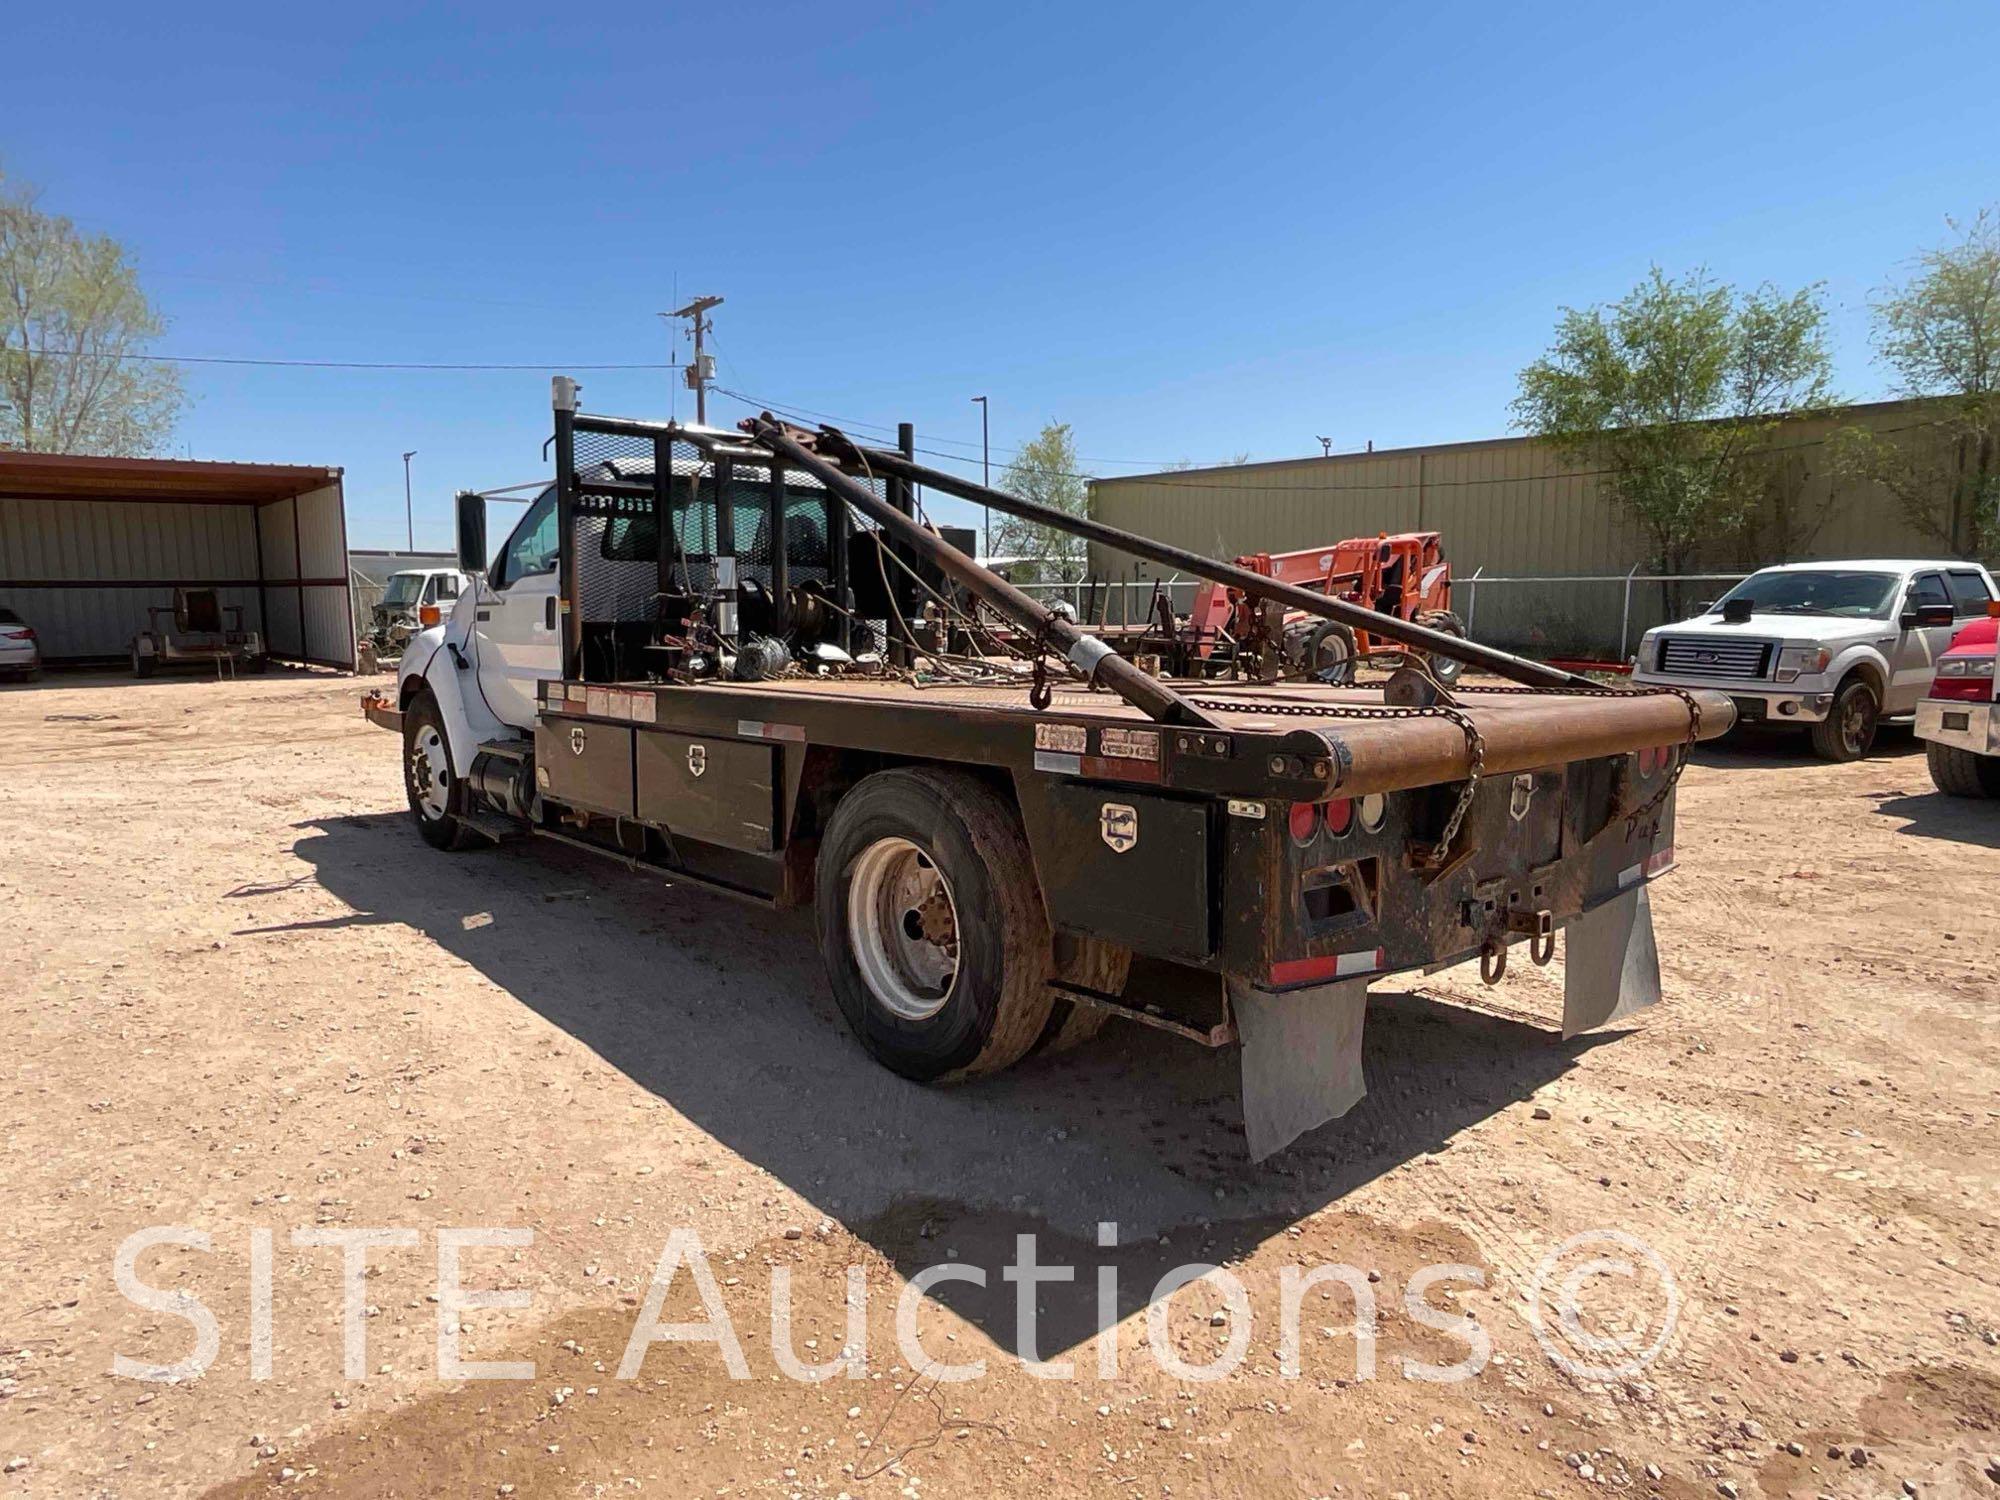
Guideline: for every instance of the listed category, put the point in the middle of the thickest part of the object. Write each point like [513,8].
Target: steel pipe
[1095,660]
[1404,632]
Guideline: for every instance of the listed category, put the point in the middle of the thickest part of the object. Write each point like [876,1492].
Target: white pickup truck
[1834,647]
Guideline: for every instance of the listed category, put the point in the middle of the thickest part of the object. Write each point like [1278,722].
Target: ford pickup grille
[1698,656]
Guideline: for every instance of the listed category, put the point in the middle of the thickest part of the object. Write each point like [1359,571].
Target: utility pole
[409,516]
[702,370]
[1326,447]
[985,473]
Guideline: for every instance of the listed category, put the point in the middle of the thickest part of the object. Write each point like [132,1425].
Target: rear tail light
[1964,677]
[1304,822]
[1339,815]
[19,633]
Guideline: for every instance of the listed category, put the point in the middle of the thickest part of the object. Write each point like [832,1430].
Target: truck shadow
[719,1008]
[1933,815]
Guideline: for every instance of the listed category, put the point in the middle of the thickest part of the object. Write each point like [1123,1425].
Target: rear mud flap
[1611,966]
[1301,1059]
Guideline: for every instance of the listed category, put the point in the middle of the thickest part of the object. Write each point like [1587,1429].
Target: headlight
[1795,661]
[1965,666]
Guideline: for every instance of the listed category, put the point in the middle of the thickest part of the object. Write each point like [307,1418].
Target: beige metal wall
[84,573]
[1507,506]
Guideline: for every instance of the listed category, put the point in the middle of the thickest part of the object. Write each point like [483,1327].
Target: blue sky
[1188,231]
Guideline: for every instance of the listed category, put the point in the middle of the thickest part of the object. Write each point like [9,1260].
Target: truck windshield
[403,589]
[1853,596]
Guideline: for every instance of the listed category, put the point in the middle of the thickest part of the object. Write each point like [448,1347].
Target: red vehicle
[1404,575]
[1959,722]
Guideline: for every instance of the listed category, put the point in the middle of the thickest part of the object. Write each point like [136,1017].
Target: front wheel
[1447,669]
[437,796]
[931,925]
[1848,731]
[1962,773]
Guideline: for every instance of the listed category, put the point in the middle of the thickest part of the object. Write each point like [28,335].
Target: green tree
[1044,471]
[72,317]
[1940,333]
[1674,392]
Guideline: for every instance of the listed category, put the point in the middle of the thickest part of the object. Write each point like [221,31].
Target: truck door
[1917,650]
[515,623]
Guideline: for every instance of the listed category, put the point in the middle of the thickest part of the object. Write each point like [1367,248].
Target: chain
[1040,695]
[1475,745]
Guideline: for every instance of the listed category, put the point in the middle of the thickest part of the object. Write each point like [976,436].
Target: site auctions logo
[1652,1303]
[1618,1353]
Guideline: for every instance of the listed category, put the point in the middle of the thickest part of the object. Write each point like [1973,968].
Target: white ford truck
[1833,647]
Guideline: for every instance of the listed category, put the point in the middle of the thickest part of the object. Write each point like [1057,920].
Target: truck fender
[427,663]
[1873,666]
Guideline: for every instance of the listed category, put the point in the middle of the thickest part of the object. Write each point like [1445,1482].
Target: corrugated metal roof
[61,476]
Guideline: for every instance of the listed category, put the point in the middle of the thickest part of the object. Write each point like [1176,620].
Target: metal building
[87,545]
[1555,543]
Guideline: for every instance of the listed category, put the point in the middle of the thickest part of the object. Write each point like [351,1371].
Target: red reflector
[1304,820]
[1305,970]
[1339,815]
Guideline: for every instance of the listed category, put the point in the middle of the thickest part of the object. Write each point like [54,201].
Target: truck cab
[411,599]
[1833,648]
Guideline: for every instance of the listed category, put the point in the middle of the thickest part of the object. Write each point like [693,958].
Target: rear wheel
[1962,773]
[1848,731]
[1446,669]
[931,925]
[144,663]
[437,796]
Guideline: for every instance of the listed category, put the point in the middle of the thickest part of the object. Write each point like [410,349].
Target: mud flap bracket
[1611,966]
[1301,1059]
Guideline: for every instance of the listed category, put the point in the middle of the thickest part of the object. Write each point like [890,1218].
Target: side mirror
[1703,606]
[471,532]
[1924,616]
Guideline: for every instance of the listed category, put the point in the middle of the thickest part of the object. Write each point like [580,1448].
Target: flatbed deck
[1375,746]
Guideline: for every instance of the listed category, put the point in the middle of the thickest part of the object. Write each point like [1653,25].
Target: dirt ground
[243,998]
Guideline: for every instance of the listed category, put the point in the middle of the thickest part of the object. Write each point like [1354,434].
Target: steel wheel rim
[430,772]
[902,926]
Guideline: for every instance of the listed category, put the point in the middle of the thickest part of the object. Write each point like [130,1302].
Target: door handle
[549,613]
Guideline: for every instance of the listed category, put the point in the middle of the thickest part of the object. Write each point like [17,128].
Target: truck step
[496,826]
[515,747]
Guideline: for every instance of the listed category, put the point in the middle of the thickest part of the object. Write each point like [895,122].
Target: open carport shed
[87,545]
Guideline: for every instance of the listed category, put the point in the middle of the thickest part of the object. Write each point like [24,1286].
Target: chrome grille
[1704,656]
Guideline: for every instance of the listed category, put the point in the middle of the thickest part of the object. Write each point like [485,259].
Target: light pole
[409,516]
[985,471]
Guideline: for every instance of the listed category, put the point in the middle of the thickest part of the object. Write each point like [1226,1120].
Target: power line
[321,364]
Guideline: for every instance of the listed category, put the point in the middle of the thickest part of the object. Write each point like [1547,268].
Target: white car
[19,651]
[1834,647]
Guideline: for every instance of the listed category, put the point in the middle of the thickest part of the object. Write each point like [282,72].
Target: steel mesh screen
[617,537]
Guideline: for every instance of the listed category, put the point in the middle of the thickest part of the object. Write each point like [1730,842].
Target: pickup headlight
[1796,661]
[1965,666]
